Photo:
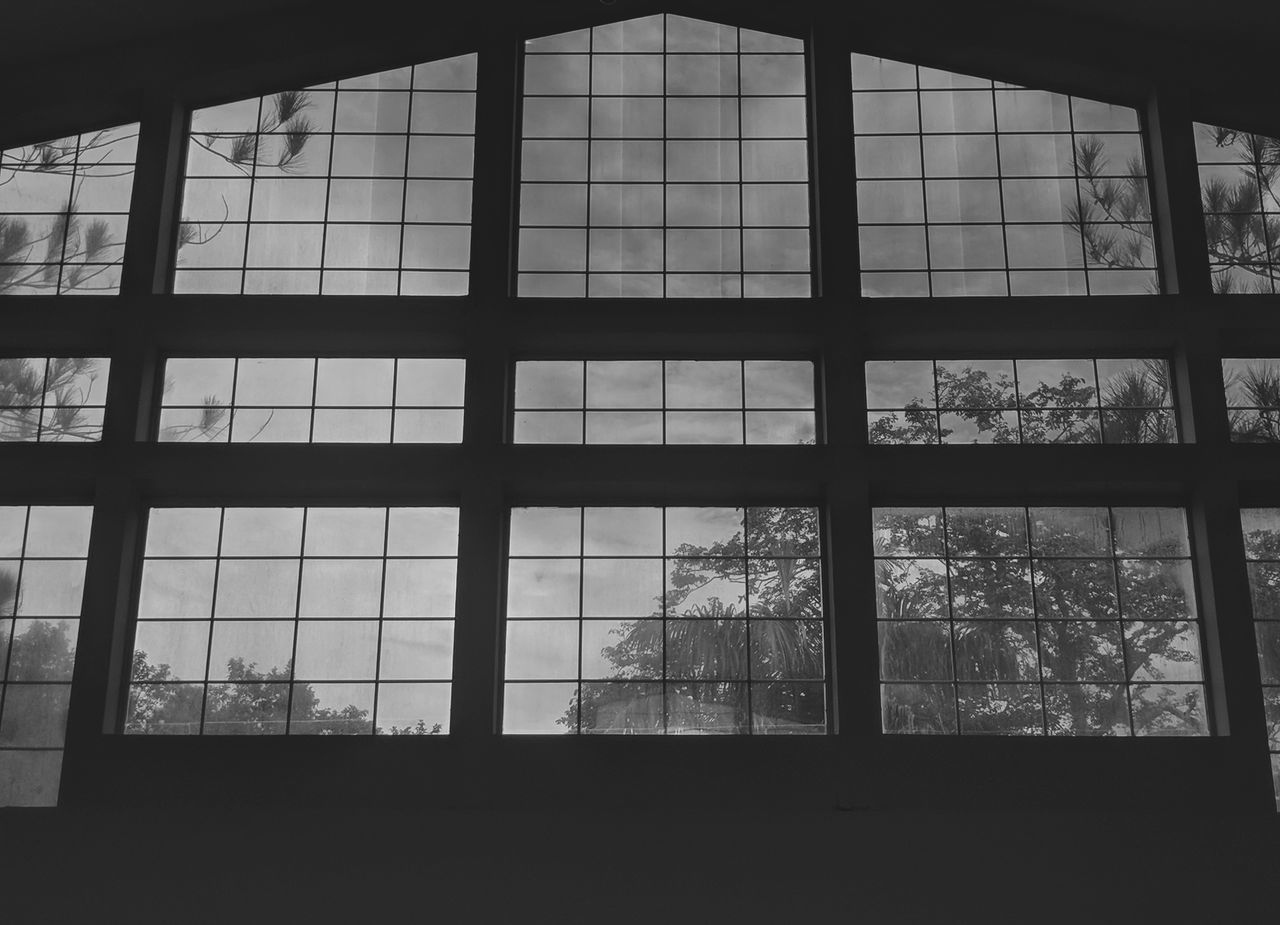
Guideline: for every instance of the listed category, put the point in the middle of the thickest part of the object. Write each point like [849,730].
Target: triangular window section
[664,157]
[968,186]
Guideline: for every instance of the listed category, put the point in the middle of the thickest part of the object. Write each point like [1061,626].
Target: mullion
[213,618]
[1084,250]
[253,182]
[382,604]
[297,608]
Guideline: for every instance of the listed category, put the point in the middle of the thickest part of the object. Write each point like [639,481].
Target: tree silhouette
[1134,401]
[1009,633]
[1113,214]
[726,668]
[1241,224]
[1260,385]
[68,254]
[61,389]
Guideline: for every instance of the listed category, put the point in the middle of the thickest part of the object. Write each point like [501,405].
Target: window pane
[331,154]
[1079,639]
[52,399]
[327,399]
[665,401]
[665,218]
[296,643]
[967,159]
[689,620]
[38,648]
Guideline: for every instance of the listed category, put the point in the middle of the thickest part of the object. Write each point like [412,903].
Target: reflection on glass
[1239,190]
[664,157]
[52,399]
[1020,401]
[1261,527]
[665,402]
[359,187]
[41,590]
[64,213]
[257,621]
[310,400]
[969,187]
[1037,621]
[690,621]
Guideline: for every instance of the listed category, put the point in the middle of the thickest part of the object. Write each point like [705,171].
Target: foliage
[1260,385]
[1113,214]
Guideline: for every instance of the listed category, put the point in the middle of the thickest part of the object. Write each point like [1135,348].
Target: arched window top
[664,157]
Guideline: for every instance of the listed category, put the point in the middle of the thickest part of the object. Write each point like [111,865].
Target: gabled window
[968,186]
[362,186]
[664,156]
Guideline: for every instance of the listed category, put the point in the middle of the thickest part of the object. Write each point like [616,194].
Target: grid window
[52,399]
[665,401]
[664,620]
[64,213]
[1240,196]
[42,566]
[1057,621]
[1020,401]
[312,400]
[306,621]
[969,186]
[1262,550]
[362,186]
[664,157]
[1253,399]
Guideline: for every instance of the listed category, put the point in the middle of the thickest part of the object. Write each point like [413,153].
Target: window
[52,399]
[665,401]
[1034,621]
[64,213]
[41,591]
[310,400]
[969,186]
[306,621]
[1262,549]
[1253,399]
[1020,401]
[664,156]
[362,186]
[1239,186]
[664,620]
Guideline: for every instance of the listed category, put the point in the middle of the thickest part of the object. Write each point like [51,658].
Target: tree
[707,648]
[1113,214]
[1241,224]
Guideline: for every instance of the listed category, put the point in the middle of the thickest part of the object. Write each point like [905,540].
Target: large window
[664,156]
[42,568]
[1058,621]
[310,400]
[665,401]
[64,213]
[52,399]
[1020,401]
[968,186]
[362,186]
[1262,548]
[664,620]
[307,621]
